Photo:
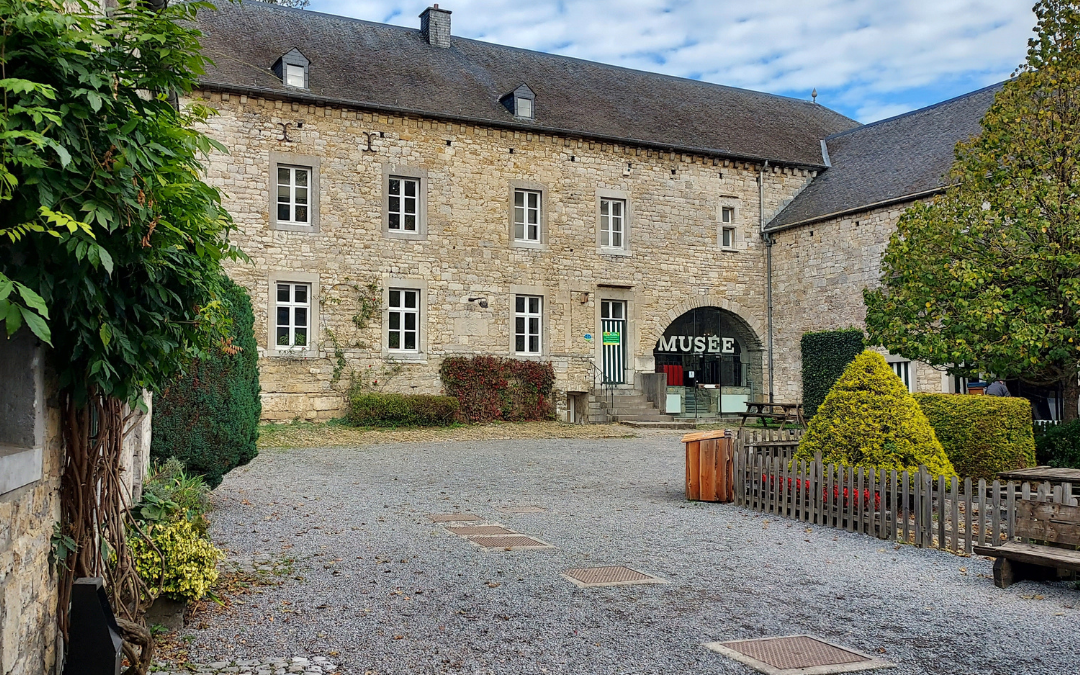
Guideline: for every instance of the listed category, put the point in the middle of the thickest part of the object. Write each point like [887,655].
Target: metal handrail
[604,382]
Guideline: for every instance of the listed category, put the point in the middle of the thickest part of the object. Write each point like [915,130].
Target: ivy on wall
[493,388]
[825,355]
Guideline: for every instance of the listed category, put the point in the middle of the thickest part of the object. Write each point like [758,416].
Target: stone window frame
[309,162]
[736,236]
[22,449]
[421,175]
[545,320]
[628,222]
[629,296]
[314,318]
[533,186]
[421,353]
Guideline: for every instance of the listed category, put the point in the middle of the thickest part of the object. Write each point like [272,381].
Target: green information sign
[612,338]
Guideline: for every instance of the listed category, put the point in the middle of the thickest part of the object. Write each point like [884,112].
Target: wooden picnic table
[765,411]
[1042,474]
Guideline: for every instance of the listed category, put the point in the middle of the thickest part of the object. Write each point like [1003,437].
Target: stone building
[407,195]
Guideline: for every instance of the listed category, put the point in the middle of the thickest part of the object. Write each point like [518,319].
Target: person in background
[998,388]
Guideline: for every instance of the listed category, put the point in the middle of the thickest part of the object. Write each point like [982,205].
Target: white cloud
[866,57]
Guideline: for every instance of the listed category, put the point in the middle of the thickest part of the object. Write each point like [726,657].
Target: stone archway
[755,329]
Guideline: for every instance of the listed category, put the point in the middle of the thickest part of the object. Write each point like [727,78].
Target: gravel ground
[384,590]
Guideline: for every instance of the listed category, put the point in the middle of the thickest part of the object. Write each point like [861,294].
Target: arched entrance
[713,362]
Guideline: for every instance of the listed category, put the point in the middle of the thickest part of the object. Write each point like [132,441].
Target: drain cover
[453,517]
[796,655]
[589,577]
[521,509]
[514,542]
[470,530]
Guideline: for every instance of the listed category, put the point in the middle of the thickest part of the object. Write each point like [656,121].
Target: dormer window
[292,68]
[521,103]
[295,76]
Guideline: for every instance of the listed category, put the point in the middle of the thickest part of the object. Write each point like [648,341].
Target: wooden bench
[776,412]
[1058,525]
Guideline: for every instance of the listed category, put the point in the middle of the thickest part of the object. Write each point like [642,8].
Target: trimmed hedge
[1059,446]
[493,388]
[825,355]
[982,435]
[870,419]
[401,410]
[208,417]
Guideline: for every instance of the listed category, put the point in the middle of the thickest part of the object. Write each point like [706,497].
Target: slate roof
[889,160]
[382,67]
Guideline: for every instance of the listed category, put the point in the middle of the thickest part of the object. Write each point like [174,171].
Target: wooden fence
[917,508]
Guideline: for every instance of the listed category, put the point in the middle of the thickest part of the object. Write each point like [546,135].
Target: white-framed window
[727,228]
[612,223]
[524,107]
[528,321]
[293,195]
[293,322]
[403,202]
[295,76]
[527,205]
[903,371]
[403,319]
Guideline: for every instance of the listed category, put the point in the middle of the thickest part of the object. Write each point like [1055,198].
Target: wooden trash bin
[710,468]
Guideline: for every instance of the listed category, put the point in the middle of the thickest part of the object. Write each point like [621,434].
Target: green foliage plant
[170,492]
[373,409]
[825,355]
[175,559]
[986,277]
[493,388]
[1059,446]
[208,416]
[870,419]
[982,435]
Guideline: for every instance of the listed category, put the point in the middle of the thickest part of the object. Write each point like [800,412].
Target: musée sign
[688,344]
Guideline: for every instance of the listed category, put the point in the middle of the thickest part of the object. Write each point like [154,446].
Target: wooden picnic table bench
[1055,528]
[765,411]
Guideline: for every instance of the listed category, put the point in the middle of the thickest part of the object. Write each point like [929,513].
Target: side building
[406,195]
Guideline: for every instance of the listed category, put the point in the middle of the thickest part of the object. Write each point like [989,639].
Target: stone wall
[819,273]
[674,263]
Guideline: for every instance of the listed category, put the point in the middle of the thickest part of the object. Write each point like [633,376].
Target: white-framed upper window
[293,195]
[403,201]
[612,223]
[903,371]
[295,76]
[524,107]
[293,327]
[528,320]
[403,319]
[727,229]
[527,204]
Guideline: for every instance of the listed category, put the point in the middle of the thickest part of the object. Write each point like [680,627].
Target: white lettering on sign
[696,345]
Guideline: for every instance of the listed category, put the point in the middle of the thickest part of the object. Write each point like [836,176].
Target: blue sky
[868,59]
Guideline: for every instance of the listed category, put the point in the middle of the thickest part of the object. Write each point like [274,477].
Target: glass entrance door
[613,339]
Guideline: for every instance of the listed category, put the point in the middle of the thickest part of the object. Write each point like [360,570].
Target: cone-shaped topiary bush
[870,419]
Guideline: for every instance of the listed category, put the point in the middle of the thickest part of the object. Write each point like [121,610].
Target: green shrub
[870,419]
[187,564]
[1059,446]
[401,410]
[825,355]
[494,388]
[169,493]
[982,435]
[208,418]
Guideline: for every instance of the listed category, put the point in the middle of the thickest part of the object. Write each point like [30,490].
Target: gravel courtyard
[382,589]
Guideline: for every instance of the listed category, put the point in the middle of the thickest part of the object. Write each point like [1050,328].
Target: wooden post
[1010,511]
[919,508]
[982,512]
[954,497]
[818,486]
[968,538]
[996,516]
[894,507]
[905,495]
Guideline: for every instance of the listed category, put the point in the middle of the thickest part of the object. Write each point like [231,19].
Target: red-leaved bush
[797,486]
[495,388]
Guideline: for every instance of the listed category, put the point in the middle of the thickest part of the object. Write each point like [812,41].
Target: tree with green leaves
[986,277]
[113,244]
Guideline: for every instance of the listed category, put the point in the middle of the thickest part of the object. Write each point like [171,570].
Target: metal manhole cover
[453,517]
[614,575]
[470,530]
[796,655]
[521,509]
[513,542]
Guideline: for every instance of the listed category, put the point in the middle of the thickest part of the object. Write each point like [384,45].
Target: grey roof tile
[901,156]
[385,67]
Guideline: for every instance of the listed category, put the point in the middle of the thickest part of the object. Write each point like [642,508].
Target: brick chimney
[435,26]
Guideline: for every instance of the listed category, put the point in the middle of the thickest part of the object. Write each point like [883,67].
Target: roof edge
[856,209]
[529,128]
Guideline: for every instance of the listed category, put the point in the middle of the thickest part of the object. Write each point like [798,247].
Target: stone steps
[636,424]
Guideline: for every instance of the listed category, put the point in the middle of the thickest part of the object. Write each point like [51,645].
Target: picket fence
[917,508]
